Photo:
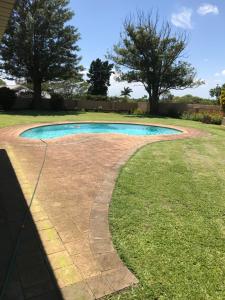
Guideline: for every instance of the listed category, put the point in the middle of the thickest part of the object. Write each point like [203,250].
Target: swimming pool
[60,130]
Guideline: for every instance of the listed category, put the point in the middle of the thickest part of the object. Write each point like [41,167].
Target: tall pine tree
[99,77]
[39,45]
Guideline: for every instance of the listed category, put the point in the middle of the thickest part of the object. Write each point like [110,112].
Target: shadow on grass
[147,116]
[35,113]
[25,272]
[49,113]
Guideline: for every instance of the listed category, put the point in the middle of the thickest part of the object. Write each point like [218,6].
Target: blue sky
[100,23]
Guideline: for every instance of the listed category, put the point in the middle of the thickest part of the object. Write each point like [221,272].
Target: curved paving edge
[70,208]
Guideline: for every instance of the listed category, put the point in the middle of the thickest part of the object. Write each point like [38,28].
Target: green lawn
[28,117]
[167,215]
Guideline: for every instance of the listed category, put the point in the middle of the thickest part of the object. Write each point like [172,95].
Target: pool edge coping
[13,133]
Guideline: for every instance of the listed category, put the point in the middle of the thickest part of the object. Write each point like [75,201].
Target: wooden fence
[129,107]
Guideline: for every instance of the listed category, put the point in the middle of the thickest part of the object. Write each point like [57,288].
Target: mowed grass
[167,219]
[167,215]
[29,117]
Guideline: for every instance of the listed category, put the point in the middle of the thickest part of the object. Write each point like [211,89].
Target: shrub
[7,98]
[189,99]
[222,99]
[213,117]
[173,113]
[107,98]
[96,97]
[57,102]
[138,111]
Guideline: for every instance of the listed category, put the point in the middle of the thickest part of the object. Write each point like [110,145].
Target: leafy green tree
[222,98]
[216,92]
[39,45]
[99,77]
[190,99]
[152,54]
[126,92]
[7,98]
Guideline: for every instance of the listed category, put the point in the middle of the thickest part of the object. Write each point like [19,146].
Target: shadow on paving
[25,272]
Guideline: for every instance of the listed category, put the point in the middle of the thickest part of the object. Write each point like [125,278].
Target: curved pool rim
[180,130]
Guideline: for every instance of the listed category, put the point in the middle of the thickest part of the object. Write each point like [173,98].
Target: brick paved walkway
[57,245]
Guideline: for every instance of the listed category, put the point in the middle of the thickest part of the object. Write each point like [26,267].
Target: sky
[100,23]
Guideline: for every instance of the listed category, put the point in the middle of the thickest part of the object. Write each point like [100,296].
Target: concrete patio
[55,198]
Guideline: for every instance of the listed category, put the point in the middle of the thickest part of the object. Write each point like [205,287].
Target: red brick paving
[71,255]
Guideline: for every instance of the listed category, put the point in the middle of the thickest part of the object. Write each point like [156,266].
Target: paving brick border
[70,207]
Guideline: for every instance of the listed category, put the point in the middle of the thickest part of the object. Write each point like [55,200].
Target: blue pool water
[60,130]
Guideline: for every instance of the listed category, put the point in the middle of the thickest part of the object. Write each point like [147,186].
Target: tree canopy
[99,77]
[216,92]
[222,98]
[39,45]
[152,54]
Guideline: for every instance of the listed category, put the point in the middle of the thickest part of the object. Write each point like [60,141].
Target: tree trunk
[154,105]
[36,104]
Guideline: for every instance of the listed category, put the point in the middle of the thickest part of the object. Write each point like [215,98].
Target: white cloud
[218,74]
[206,8]
[183,18]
